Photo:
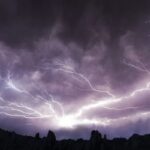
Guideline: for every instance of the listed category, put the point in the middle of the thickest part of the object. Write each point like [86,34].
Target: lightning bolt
[52,109]
[141,68]
[74,117]
[11,85]
[68,69]
[21,110]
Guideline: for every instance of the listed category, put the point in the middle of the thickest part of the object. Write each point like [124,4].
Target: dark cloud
[23,21]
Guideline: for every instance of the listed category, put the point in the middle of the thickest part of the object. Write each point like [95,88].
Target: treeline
[13,141]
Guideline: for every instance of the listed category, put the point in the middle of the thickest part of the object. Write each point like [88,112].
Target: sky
[73,66]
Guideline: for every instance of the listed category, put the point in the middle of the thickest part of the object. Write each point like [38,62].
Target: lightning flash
[55,111]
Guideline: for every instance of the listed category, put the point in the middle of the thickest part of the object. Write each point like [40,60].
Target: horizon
[103,136]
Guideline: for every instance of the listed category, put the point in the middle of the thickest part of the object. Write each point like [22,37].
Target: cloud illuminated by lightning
[53,110]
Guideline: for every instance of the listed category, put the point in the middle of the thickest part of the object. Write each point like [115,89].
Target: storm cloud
[73,66]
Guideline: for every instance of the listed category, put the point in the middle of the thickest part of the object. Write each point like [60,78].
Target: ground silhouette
[13,141]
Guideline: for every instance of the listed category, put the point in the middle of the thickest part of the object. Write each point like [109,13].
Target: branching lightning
[141,67]
[13,109]
[53,110]
[68,69]
[11,85]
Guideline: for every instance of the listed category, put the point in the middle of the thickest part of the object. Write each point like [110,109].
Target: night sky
[72,66]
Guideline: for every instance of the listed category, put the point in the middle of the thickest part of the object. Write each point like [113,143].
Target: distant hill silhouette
[13,141]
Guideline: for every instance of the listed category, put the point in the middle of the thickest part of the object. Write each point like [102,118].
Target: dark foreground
[13,141]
